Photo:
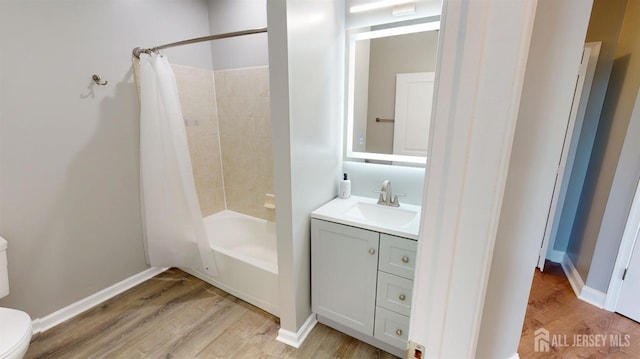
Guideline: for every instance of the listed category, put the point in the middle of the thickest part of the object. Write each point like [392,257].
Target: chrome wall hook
[98,80]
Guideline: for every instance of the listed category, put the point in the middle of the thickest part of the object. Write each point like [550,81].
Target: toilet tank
[4,275]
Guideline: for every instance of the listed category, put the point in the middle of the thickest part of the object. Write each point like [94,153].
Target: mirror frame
[367,35]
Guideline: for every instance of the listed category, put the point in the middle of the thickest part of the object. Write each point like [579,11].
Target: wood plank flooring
[175,315]
[573,325]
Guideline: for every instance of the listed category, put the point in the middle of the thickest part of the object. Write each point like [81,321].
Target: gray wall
[554,55]
[604,26]
[622,150]
[69,197]
[623,188]
[236,15]
[603,206]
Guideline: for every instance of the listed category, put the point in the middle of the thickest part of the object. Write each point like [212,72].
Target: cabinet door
[344,264]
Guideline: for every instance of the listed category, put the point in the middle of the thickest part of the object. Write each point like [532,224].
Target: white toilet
[15,326]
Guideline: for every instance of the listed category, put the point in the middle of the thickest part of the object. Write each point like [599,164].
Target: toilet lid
[15,328]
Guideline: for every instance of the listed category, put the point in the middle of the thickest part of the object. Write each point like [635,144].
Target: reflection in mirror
[390,90]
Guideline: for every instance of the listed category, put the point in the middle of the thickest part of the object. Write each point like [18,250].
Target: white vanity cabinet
[344,264]
[361,283]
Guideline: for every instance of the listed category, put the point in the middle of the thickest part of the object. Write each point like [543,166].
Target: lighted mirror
[390,91]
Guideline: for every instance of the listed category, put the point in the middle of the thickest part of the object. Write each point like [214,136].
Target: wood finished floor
[554,307]
[175,315]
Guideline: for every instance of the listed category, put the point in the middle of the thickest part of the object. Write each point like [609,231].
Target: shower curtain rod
[138,50]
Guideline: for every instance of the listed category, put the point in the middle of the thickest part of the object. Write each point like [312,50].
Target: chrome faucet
[386,197]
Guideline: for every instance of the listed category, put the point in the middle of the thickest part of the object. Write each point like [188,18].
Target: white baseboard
[583,292]
[296,339]
[592,296]
[572,275]
[555,256]
[40,325]
[516,355]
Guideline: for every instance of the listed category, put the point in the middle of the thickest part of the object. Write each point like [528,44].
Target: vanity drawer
[392,328]
[397,255]
[394,293]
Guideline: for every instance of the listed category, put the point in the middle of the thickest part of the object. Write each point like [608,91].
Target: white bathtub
[244,248]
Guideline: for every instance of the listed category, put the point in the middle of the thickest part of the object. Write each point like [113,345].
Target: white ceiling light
[378,5]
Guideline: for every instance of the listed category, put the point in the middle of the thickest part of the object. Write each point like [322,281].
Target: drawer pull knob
[398,332]
[402,297]
[405,259]
[372,251]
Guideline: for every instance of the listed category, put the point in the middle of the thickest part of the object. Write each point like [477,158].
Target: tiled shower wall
[229,134]
[245,133]
[198,102]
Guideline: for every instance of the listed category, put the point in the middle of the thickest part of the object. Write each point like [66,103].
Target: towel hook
[98,80]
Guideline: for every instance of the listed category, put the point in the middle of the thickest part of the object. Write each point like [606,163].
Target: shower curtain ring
[98,80]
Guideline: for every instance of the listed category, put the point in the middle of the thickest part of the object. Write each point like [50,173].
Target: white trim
[629,236]
[572,275]
[515,356]
[296,339]
[583,292]
[593,297]
[555,255]
[479,78]
[40,325]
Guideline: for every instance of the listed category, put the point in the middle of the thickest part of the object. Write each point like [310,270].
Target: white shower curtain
[174,230]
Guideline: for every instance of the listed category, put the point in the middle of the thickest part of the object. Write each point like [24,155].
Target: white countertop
[344,211]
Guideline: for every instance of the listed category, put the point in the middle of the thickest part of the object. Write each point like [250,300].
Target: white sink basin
[364,212]
[393,216]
